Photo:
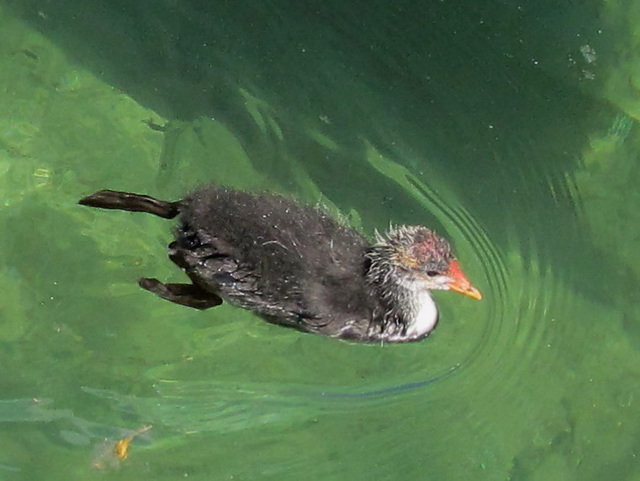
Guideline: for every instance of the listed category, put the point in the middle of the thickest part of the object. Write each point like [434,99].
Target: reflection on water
[479,122]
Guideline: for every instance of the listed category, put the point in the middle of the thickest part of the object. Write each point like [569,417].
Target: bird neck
[412,310]
[408,311]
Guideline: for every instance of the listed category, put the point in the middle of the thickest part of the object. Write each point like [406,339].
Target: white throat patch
[425,315]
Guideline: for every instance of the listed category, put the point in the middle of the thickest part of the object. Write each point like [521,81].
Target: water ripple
[518,294]
[482,354]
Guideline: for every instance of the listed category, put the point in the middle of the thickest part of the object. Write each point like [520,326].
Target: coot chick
[296,266]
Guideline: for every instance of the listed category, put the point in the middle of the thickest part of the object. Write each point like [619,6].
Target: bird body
[296,266]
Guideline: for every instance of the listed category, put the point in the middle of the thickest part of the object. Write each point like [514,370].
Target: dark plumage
[296,266]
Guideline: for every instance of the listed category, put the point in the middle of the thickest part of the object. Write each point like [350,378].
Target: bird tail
[111,199]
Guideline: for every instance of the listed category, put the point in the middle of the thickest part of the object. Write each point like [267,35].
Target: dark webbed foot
[111,199]
[188,295]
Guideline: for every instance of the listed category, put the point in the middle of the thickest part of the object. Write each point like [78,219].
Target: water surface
[509,127]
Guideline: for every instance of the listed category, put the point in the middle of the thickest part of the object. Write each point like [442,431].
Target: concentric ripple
[492,342]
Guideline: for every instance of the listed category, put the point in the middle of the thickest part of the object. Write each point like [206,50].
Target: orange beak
[460,283]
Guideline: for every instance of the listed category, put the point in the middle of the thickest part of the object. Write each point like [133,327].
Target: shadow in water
[482,93]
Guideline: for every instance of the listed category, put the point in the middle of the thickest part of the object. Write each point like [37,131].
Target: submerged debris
[109,454]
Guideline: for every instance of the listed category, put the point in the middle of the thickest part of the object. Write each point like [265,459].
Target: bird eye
[432,273]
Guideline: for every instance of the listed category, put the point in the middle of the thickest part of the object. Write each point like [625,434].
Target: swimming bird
[296,266]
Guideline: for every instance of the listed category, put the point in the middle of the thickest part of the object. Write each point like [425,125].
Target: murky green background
[509,126]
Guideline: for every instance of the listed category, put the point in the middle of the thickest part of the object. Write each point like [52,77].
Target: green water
[511,127]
